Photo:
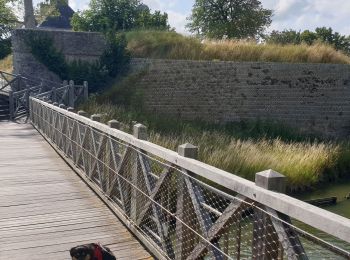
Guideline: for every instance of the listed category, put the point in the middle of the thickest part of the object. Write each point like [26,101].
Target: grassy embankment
[170,45]
[240,148]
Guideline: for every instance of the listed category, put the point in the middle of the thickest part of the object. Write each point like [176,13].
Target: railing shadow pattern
[181,208]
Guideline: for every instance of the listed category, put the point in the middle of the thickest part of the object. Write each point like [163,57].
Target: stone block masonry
[85,46]
[311,97]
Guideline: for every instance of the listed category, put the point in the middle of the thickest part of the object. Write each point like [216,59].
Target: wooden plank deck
[45,208]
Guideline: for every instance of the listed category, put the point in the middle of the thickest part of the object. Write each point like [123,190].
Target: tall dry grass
[170,45]
[306,162]
[6,64]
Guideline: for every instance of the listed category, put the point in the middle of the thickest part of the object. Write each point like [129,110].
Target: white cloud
[178,21]
[309,14]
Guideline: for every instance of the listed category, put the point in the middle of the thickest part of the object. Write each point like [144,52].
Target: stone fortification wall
[311,97]
[85,46]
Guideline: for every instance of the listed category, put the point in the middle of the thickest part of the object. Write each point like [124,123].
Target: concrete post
[55,104]
[71,94]
[140,132]
[266,244]
[83,113]
[185,237]
[188,150]
[86,90]
[63,106]
[114,124]
[96,117]
[70,109]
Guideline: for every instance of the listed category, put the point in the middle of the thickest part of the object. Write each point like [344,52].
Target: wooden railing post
[27,94]
[86,90]
[11,105]
[54,94]
[140,132]
[71,94]
[185,238]
[266,244]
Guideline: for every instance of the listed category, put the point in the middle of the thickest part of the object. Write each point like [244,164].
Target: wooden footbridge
[68,179]
[45,208]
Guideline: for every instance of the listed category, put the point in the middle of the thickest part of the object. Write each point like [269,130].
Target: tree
[115,15]
[229,18]
[321,34]
[8,21]
[284,37]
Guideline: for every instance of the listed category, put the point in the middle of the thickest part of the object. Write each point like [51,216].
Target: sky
[288,14]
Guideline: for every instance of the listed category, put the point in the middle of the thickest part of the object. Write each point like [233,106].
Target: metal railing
[19,88]
[184,209]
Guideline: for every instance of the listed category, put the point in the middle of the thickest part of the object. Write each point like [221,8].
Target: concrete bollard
[70,109]
[83,113]
[114,124]
[96,117]
[140,132]
[188,150]
[63,106]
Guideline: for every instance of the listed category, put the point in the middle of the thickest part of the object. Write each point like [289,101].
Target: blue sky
[288,14]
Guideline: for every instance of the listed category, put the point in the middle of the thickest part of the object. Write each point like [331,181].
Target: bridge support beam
[140,132]
[266,243]
[184,235]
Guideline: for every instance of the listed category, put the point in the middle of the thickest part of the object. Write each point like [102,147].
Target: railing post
[83,113]
[27,94]
[140,132]
[71,94]
[86,90]
[63,106]
[266,244]
[96,117]
[54,94]
[114,124]
[11,105]
[185,239]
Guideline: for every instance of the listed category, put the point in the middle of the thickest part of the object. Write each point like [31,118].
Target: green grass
[171,45]
[243,148]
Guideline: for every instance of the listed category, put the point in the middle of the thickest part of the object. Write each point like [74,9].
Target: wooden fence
[181,208]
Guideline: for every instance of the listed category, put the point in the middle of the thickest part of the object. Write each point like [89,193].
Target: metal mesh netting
[182,215]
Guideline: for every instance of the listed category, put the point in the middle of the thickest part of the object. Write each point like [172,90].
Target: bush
[114,61]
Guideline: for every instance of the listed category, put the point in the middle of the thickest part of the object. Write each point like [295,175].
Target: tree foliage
[321,34]
[229,18]
[8,21]
[114,15]
[113,62]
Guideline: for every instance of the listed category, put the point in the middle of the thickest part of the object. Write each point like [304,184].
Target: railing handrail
[321,219]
